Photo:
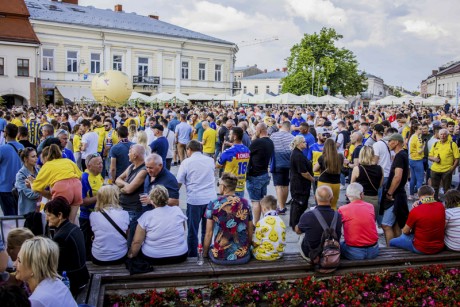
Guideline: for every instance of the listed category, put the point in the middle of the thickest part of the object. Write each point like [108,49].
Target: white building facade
[375,88]
[443,82]
[79,42]
[269,82]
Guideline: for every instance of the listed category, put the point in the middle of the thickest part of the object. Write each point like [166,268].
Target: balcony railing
[146,80]
[236,85]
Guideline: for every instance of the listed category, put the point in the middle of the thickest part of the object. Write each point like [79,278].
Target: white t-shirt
[452,237]
[90,138]
[171,137]
[108,243]
[165,232]
[382,150]
[52,293]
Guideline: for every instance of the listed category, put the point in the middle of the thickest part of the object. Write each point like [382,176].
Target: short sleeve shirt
[236,160]
[120,152]
[401,160]
[231,216]
[166,179]
[269,238]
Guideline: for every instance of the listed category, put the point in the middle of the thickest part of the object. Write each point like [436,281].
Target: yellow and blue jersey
[33,129]
[314,152]
[236,160]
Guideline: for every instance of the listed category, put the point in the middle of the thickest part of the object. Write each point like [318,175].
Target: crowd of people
[102,176]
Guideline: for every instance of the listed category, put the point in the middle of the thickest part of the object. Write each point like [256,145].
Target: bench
[116,278]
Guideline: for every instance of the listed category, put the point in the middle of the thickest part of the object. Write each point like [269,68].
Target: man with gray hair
[311,227]
[47,132]
[131,186]
[359,228]
[197,174]
[157,173]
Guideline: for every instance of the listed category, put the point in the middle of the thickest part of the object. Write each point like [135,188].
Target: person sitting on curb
[310,226]
[270,235]
[424,229]
[359,229]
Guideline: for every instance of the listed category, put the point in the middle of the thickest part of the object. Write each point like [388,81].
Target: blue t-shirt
[173,124]
[160,146]
[2,124]
[10,164]
[296,123]
[213,125]
[67,153]
[120,152]
[310,140]
[166,179]
[200,131]
[183,131]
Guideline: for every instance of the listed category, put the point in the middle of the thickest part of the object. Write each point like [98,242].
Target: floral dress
[231,216]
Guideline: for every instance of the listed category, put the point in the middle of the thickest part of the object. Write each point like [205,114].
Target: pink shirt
[359,227]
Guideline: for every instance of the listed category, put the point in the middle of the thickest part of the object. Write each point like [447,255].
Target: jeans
[240,194]
[257,186]
[417,175]
[437,178]
[342,179]
[195,215]
[405,242]
[168,163]
[359,253]
[243,260]
[8,204]
[133,217]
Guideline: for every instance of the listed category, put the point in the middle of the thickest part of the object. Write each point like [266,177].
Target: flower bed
[426,286]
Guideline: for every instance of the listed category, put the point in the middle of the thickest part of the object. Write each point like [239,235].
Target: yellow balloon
[112,87]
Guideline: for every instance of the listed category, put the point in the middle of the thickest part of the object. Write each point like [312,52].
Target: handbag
[138,265]
[114,224]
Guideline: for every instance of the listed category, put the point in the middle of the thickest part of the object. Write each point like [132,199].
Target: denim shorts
[389,217]
[257,186]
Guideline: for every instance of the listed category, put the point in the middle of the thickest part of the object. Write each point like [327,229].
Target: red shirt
[427,222]
[358,219]
[391,118]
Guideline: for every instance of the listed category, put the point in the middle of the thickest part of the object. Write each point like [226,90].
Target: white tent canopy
[136,95]
[161,97]
[388,100]
[288,98]
[223,97]
[263,98]
[241,98]
[328,99]
[201,96]
[434,100]
[309,98]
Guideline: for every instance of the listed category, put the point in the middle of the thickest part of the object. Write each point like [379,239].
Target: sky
[400,41]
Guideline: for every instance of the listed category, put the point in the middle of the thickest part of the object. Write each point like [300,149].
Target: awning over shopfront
[76,94]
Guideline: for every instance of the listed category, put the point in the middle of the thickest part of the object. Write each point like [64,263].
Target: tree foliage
[340,67]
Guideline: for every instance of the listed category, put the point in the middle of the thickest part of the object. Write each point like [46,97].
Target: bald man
[310,226]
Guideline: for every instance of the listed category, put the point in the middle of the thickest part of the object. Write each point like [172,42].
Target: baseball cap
[436,123]
[31,116]
[159,127]
[322,130]
[396,137]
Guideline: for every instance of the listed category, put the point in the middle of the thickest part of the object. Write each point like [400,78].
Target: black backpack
[326,258]
[346,137]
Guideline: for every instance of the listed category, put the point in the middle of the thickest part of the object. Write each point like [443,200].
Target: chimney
[255,65]
[265,70]
[284,69]
[118,8]
[434,72]
[277,69]
[154,17]
[69,1]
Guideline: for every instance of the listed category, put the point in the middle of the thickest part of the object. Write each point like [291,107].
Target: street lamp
[313,68]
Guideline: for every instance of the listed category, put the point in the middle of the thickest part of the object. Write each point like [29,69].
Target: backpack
[346,137]
[326,258]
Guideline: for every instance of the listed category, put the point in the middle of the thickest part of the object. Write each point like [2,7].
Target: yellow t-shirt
[447,152]
[95,182]
[350,152]
[131,119]
[195,133]
[415,145]
[405,134]
[101,136]
[209,140]
[54,171]
[17,122]
[76,143]
[113,136]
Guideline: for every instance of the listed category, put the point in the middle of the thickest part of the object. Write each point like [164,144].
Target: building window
[202,72]
[95,63]
[72,61]
[267,89]
[245,90]
[143,67]
[279,88]
[184,70]
[218,73]
[48,59]
[256,90]
[2,66]
[117,62]
[23,67]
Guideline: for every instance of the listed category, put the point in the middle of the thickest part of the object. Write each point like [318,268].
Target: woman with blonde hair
[62,176]
[141,138]
[15,238]
[160,233]
[37,265]
[369,175]
[109,244]
[132,133]
[330,165]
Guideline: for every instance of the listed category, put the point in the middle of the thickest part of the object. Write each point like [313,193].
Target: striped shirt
[282,157]
[452,236]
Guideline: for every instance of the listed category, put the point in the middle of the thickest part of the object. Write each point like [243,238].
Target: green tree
[338,67]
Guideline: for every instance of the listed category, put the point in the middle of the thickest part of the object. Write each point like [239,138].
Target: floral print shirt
[231,216]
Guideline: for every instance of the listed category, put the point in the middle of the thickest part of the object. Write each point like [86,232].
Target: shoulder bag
[114,224]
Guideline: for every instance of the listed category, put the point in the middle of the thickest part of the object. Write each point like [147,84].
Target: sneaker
[282,211]
[342,187]
[411,197]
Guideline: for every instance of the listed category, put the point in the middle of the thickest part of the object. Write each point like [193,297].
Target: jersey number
[242,168]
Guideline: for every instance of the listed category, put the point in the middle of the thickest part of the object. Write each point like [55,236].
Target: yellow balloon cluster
[112,88]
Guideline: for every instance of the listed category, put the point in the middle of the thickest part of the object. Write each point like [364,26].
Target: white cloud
[424,28]
[322,11]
